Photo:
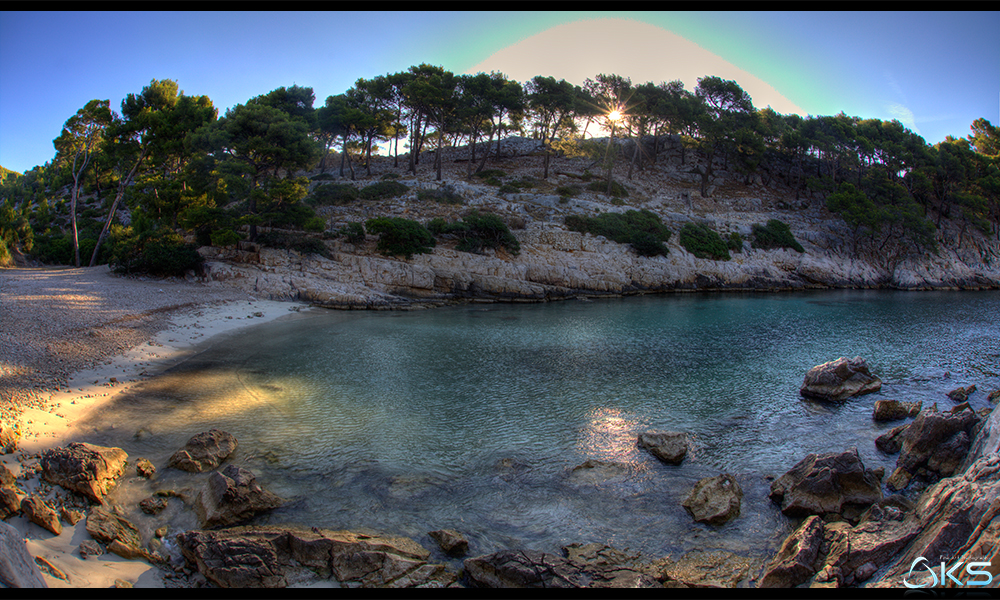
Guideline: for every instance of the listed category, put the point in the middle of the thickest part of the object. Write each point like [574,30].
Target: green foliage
[388,176]
[568,191]
[445,195]
[400,237]
[159,252]
[477,232]
[322,177]
[617,190]
[336,194]
[703,241]
[642,229]
[224,237]
[508,188]
[353,232]
[775,234]
[488,174]
[299,242]
[383,189]
[735,242]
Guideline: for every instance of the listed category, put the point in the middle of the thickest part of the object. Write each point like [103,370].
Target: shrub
[568,191]
[301,243]
[353,232]
[626,228]
[445,195]
[224,237]
[490,174]
[617,190]
[702,241]
[156,252]
[508,188]
[485,230]
[333,193]
[322,177]
[390,176]
[775,234]
[383,189]
[400,237]
[735,242]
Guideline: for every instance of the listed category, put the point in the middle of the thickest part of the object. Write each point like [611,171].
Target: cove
[472,417]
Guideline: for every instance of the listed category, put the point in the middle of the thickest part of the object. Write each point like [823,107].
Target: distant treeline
[177,166]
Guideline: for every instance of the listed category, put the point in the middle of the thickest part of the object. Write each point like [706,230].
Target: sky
[936,72]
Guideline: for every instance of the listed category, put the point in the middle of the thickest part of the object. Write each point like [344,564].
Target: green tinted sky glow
[935,72]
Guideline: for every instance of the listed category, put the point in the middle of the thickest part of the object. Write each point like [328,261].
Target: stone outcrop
[893,410]
[17,567]
[9,436]
[535,569]
[891,441]
[838,380]
[232,496]
[272,557]
[450,541]
[706,569]
[84,468]
[117,533]
[10,503]
[934,444]
[38,512]
[826,484]
[961,394]
[714,500]
[204,451]
[669,446]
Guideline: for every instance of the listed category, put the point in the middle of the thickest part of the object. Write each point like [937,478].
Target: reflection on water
[473,419]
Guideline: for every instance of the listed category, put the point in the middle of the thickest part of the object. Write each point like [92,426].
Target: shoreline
[53,422]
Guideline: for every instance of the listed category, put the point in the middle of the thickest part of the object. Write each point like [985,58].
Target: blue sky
[934,71]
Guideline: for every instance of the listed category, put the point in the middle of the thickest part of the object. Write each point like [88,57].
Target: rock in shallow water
[714,500]
[826,483]
[204,451]
[669,446]
[839,380]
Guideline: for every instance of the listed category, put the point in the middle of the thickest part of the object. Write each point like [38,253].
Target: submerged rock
[204,451]
[714,500]
[838,380]
[85,468]
[961,394]
[232,496]
[669,446]
[826,483]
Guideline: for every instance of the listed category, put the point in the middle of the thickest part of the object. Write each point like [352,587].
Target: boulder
[893,410]
[708,569]
[891,441]
[826,483]
[84,468]
[117,533]
[535,569]
[934,441]
[669,446]
[10,503]
[38,512]
[17,567]
[961,394]
[204,451]
[266,556]
[70,516]
[450,541]
[7,479]
[90,548]
[714,500]
[144,468]
[231,496]
[838,380]
[9,434]
[794,562]
[152,505]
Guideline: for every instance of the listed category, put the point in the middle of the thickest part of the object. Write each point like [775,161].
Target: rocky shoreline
[850,534]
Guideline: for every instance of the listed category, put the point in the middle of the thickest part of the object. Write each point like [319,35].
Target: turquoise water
[472,417]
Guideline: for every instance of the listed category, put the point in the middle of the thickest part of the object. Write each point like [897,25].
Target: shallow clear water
[473,417]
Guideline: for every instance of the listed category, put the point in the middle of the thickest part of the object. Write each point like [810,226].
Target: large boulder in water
[714,500]
[85,468]
[669,446]
[935,441]
[826,483]
[204,451]
[839,380]
[231,496]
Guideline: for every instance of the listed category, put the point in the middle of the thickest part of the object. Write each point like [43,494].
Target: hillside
[555,262]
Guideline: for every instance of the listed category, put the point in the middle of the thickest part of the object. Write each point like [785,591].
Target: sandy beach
[71,340]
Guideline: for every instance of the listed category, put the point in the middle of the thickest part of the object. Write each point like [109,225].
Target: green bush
[617,190]
[301,243]
[224,237]
[641,228]
[333,194]
[702,241]
[383,189]
[485,230]
[735,242]
[390,176]
[775,234]
[508,188]
[157,252]
[353,232]
[444,195]
[322,177]
[568,191]
[488,174]
[400,237]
